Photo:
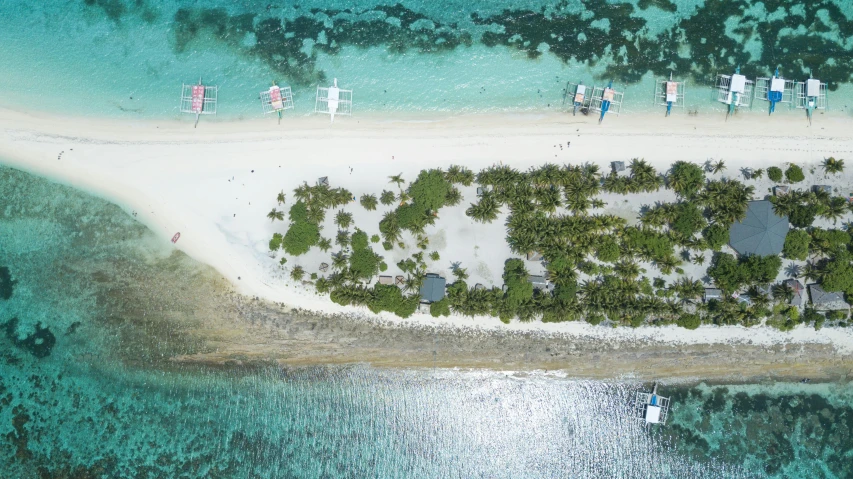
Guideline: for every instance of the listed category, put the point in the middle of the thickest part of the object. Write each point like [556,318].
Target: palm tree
[387,197]
[460,274]
[397,179]
[280,197]
[302,192]
[369,202]
[339,261]
[486,210]
[274,214]
[833,166]
[835,209]
[453,197]
[297,273]
[718,166]
[343,219]
[325,244]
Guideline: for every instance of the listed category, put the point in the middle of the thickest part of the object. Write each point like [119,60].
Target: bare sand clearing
[215,184]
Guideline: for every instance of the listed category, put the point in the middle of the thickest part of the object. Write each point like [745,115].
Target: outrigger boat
[333,100]
[277,99]
[651,408]
[811,95]
[606,99]
[734,90]
[578,101]
[669,93]
[199,100]
[774,90]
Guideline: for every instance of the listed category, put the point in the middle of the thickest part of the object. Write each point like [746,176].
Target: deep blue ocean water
[84,387]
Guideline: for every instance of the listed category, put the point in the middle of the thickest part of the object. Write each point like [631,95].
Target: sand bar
[201,181]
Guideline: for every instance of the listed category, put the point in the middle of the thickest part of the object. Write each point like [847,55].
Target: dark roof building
[432,289]
[762,232]
[826,300]
[712,293]
[798,291]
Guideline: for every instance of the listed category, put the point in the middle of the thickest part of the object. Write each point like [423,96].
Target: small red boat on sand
[176,237]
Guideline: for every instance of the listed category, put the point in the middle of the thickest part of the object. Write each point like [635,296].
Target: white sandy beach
[216,183]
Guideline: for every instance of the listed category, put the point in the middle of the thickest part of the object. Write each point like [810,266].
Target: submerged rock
[6,283]
[39,344]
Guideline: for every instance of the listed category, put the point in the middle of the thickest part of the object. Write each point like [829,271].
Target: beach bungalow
[822,188]
[388,280]
[323,181]
[333,101]
[540,283]
[798,290]
[199,100]
[617,166]
[432,289]
[712,293]
[781,190]
[534,256]
[827,300]
[762,232]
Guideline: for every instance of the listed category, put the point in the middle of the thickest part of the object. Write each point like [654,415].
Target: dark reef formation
[699,42]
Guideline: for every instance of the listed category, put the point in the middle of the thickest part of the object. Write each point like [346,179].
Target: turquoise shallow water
[128,58]
[84,390]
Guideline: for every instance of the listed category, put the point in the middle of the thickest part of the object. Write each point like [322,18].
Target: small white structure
[670,93]
[734,90]
[333,100]
[199,99]
[774,90]
[276,100]
[651,408]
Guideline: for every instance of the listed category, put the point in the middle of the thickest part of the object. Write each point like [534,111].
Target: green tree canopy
[796,245]
[429,191]
[838,273]
[774,173]
[802,216]
[794,174]
[687,219]
[385,297]
[730,274]
[302,234]
[716,236]
[686,178]
[607,250]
